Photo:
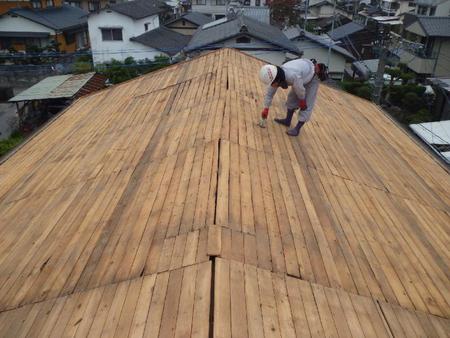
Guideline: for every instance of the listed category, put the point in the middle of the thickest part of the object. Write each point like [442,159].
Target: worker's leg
[291,106]
[305,115]
[311,94]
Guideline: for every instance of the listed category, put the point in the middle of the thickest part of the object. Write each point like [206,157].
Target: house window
[422,10]
[36,4]
[50,3]
[257,2]
[70,38]
[111,34]
[411,4]
[146,26]
[243,39]
[93,6]
[183,23]
[432,11]
[246,2]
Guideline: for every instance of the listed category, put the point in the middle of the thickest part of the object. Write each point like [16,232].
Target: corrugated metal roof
[53,87]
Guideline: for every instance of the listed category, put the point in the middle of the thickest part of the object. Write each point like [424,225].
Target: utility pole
[383,34]
[306,14]
[331,41]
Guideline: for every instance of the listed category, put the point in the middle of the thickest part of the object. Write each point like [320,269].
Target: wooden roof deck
[115,218]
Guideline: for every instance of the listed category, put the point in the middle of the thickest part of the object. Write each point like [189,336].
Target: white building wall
[312,50]
[19,24]
[104,51]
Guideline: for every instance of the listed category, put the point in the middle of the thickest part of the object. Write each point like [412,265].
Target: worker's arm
[270,92]
[300,91]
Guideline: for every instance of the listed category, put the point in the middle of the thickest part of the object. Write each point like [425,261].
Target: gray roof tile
[435,25]
[59,18]
[164,40]
[296,32]
[139,9]
[345,30]
[207,37]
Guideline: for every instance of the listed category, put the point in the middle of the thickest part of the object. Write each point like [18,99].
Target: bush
[83,64]
[10,143]
[117,71]
[361,89]
[412,103]
[364,91]
[423,115]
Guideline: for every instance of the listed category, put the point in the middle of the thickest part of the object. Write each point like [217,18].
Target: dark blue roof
[345,30]
[139,9]
[58,18]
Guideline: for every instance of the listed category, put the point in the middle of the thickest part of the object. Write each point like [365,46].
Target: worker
[303,76]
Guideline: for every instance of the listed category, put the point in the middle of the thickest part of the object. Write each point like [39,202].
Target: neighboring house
[432,7]
[427,52]
[316,47]
[320,9]
[188,23]
[6,5]
[251,36]
[163,40]
[419,7]
[356,38]
[325,24]
[89,5]
[111,30]
[218,8]
[397,7]
[24,27]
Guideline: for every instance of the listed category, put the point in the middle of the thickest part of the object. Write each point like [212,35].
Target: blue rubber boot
[287,120]
[296,130]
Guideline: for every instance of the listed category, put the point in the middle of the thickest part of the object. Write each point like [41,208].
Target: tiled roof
[58,18]
[164,40]
[207,36]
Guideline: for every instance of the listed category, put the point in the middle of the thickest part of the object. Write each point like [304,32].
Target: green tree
[284,12]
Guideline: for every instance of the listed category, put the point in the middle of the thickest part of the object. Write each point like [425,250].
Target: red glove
[302,104]
[265,113]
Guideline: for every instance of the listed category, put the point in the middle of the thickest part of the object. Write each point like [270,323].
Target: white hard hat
[267,74]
